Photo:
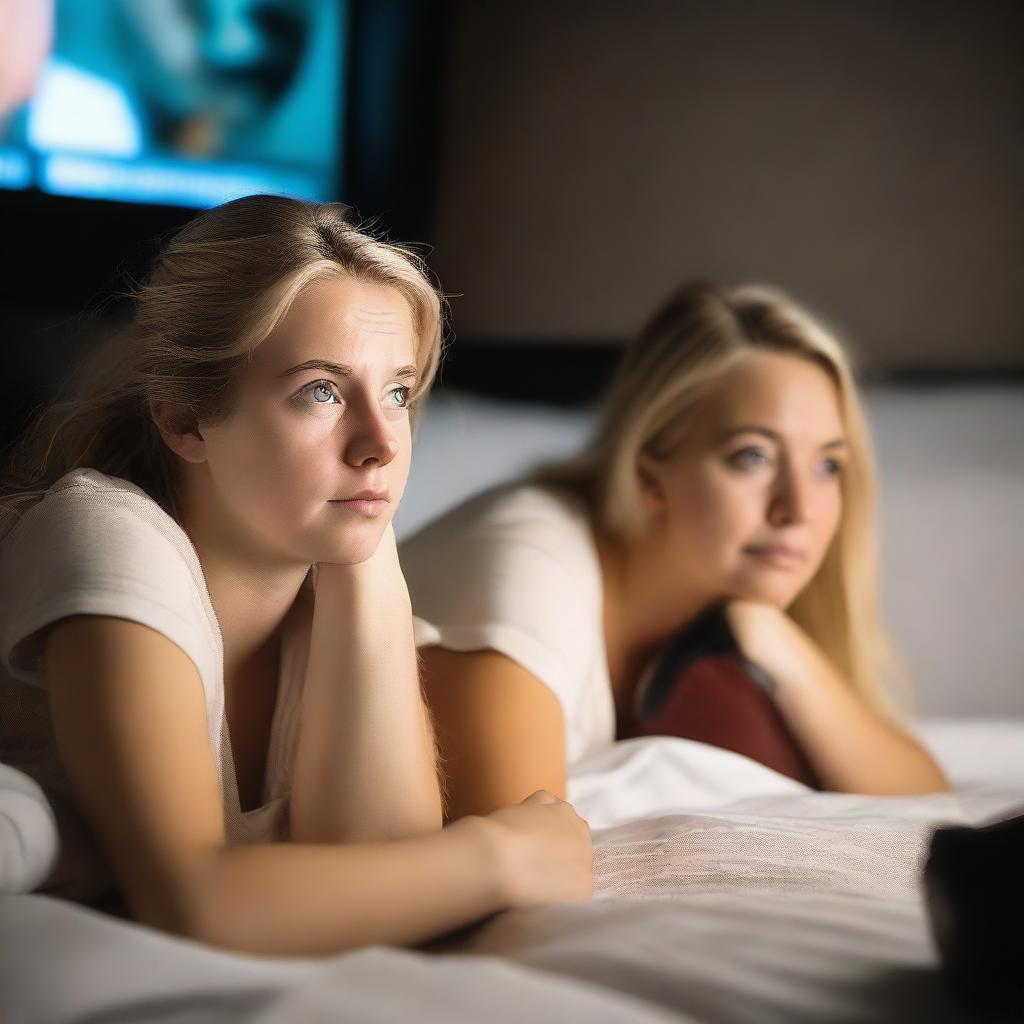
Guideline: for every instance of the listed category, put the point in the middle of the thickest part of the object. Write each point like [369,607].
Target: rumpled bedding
[724,893]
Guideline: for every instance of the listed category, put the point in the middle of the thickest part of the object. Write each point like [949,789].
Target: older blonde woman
[731,468]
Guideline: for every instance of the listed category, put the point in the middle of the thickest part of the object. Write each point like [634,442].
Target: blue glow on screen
[183,102]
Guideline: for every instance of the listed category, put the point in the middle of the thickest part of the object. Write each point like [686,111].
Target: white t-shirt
[97,545]
[516,570]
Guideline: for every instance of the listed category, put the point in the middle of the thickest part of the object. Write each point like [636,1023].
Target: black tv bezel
[63,253]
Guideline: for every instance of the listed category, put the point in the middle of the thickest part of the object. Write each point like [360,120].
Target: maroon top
[714,700]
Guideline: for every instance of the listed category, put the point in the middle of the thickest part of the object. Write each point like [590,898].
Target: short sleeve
[513,572]
[96,546]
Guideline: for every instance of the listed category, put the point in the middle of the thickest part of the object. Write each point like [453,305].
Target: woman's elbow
[923,780]
[929,776]
[936,781]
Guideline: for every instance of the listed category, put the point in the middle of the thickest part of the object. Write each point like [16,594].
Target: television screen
[173,102]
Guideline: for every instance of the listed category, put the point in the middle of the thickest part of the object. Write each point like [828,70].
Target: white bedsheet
[742,897]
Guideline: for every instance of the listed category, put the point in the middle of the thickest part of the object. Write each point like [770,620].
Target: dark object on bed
[705,689]
[974,888]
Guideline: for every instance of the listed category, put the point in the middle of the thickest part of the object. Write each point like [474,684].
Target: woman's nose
[370,439]
[790,500]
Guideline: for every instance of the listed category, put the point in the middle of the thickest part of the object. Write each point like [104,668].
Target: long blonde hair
[697,336]
[216,291]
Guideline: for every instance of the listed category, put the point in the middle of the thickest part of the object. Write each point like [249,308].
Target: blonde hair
[697,336]
[216,291]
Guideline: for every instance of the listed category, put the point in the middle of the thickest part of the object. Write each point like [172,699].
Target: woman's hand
[853,747]
[770,638]
[379,578]
[385,557]
[541,848]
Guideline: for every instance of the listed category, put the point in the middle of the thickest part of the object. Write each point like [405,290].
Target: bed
[745,897]
[724,891]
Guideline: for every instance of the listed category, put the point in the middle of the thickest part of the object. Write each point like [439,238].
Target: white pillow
[28,833]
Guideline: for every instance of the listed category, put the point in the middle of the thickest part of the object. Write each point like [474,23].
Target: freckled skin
[720,493]
[291,445]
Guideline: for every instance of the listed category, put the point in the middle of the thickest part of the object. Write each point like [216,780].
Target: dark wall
[868,156]
[581,157]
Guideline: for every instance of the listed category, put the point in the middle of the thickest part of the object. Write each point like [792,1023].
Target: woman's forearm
[306,900]
[852,749]
[365,760]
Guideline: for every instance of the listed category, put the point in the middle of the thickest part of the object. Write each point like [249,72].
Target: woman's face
[747,505]
[310,464]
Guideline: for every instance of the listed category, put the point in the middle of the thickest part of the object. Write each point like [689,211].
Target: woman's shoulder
[93,533]
[96,544]
[85,504]
[533,514]
[91,488]
[518,551]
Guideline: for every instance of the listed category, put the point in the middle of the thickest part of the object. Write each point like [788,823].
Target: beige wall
[868,156]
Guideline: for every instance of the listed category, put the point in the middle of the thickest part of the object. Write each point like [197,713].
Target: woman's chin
[353,544]
[354,552]
[775,592]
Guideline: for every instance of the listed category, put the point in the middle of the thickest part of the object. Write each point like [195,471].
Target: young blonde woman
[731,469]
[206,639]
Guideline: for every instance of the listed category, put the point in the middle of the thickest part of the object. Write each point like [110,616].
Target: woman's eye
[831,467]
[749,458]
[399,396]
[322,393]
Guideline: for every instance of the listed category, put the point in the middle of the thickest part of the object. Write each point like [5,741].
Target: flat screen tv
[137,113]
[184,103]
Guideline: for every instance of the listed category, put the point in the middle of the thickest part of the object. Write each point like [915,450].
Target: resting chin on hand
[852,748]
[363,714]
[769,637]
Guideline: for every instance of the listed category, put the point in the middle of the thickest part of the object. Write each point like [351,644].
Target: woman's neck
[646,600]
[251,593]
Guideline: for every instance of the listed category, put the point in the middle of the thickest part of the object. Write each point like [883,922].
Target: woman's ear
[649,470]
[179,429]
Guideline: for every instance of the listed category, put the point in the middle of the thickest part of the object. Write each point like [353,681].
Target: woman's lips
[777,555]
[369,505]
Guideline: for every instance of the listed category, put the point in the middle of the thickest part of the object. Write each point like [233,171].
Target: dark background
[568,162]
